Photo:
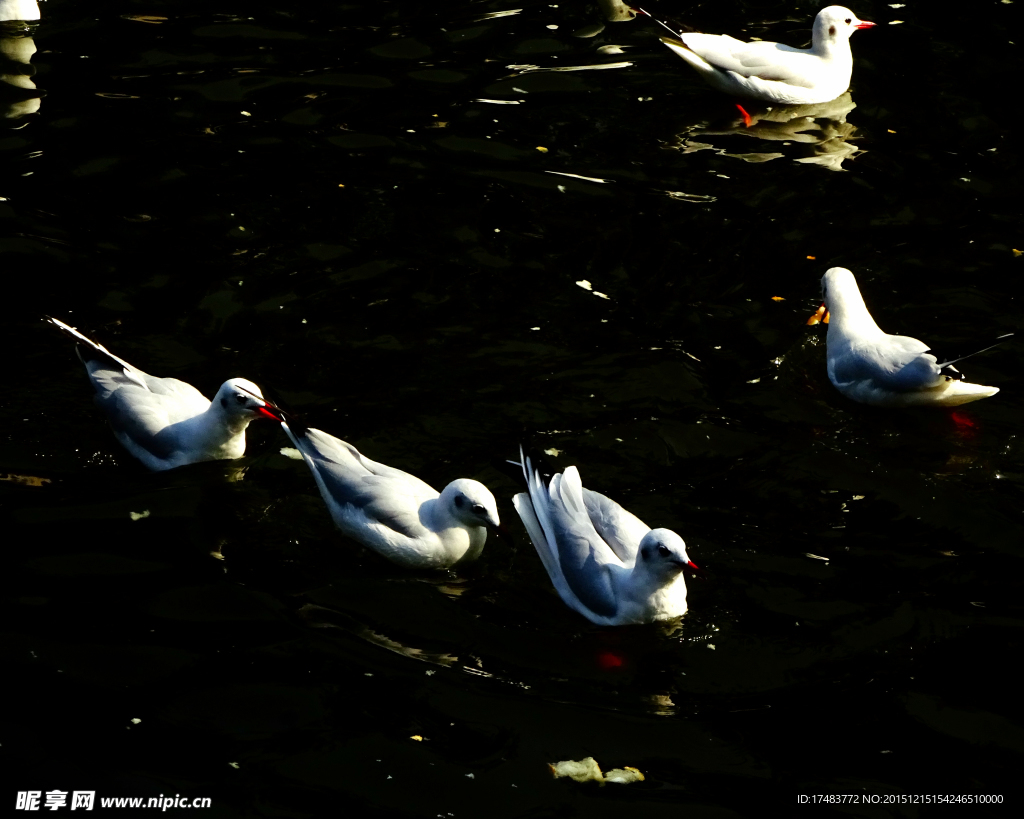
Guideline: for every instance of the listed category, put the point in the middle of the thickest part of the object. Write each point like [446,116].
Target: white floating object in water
[587,770]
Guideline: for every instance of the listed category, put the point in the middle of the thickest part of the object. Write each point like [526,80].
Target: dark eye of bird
[478,509]
[240,399]
[663,551]
[848,21]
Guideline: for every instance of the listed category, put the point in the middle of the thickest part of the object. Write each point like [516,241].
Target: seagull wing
[767,61]
[897,363]
[621,530]
[583,562]
[384,495]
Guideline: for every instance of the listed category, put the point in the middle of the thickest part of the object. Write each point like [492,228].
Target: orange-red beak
[821,314]
[271,412]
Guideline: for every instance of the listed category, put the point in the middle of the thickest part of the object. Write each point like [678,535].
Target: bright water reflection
[820,131]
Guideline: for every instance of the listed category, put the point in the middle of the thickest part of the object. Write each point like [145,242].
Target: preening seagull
[165,422]
[876,368]
[606,563]
[395,513]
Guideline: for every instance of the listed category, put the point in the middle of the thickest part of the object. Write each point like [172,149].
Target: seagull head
[663,553]
[471,503]
[836,23]
[240,398]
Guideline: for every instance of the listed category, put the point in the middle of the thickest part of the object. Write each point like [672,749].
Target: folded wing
[768,61]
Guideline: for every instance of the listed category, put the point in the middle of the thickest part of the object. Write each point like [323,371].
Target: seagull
[776,73]
[875,368]
[164,422]
[392,512]
[606,563]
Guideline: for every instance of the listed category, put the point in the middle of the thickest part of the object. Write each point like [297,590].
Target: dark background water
[312,197]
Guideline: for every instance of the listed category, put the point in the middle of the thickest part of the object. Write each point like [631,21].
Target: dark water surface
[313,196]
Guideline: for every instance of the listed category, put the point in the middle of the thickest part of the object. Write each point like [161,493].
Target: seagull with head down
[873,367]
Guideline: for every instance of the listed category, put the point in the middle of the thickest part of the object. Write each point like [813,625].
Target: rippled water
[362,208]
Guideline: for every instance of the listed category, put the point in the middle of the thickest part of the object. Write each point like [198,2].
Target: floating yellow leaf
[778,298]
[25,480]
[542,149]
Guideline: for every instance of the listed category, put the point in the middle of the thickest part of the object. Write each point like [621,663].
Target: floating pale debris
[587,770]
[816,557]
[623,776]
[138,515]
[25,480]
[143,18]
[554,453]
[416,737]
[533,69]
[496,14]
[688,197]
[542,149]
[291,452]
[584,284]
[584,178]
[611,49]
[500,102]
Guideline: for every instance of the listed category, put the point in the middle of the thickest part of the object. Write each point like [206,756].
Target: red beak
[865,24]
[271,412]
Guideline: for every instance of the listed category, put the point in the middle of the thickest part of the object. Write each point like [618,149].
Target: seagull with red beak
[775,73]
[605,562]
[165,422]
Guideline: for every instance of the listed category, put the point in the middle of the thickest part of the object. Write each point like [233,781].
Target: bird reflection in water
[821,131]
[19,97]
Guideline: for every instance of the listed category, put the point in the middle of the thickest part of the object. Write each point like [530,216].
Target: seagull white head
[663,553]
[844,303]
[240,399]
[471,503]
[835,24]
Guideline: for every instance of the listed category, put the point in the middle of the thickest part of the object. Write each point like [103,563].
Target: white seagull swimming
[776,73]
[875,368]
[164,422]
[606,563]
[395,513]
